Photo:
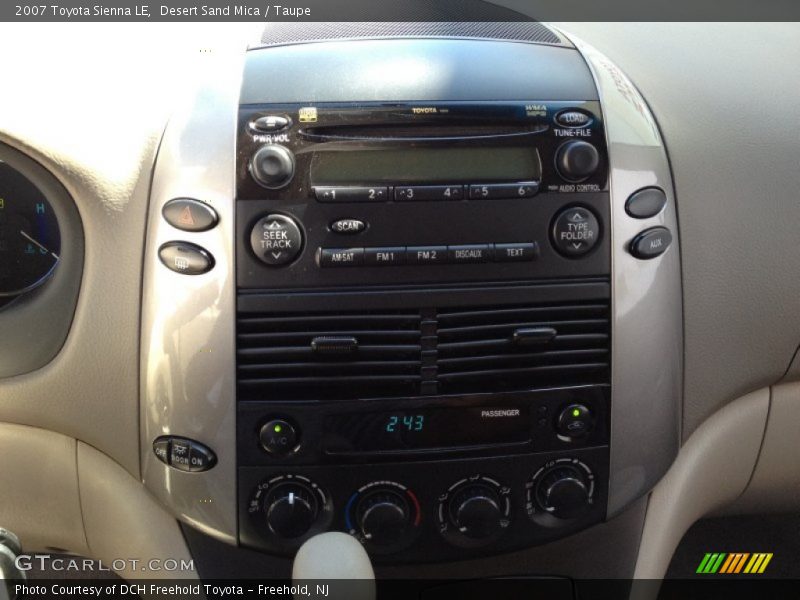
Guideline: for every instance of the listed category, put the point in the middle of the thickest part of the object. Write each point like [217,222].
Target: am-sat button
[340,257]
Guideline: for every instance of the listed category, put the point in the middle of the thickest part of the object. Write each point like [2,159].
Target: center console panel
[412,310]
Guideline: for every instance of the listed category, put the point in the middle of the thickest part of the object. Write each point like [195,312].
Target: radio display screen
[426,428]
[425,165]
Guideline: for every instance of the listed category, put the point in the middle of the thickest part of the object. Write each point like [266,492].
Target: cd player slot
[421,131]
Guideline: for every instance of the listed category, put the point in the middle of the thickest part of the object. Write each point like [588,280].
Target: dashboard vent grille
[299,356]
[341,355]
[491,350]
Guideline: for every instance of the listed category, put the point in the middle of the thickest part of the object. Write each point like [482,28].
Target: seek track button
[276,240]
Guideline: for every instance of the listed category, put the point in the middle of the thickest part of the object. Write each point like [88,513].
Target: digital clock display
[426,428]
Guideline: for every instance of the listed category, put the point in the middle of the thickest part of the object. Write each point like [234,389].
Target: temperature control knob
[384,515]
[474,511]
[562,489]
[272,166]
[577,160]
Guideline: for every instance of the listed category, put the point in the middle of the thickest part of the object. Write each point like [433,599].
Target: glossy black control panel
[497,174]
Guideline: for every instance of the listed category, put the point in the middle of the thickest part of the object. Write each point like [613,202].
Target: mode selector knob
[272,166]
[476,512]
[291,509]
[577,160]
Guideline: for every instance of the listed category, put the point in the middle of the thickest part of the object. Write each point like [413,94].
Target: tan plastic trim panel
[124,523]
[58,494]
[775,483]
[39,489]
[712,469]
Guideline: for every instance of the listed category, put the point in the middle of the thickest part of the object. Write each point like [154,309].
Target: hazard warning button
[188,214]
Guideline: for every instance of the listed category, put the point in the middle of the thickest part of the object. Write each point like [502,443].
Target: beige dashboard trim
[39,489]
[61,495]
[124,522]
[712,469]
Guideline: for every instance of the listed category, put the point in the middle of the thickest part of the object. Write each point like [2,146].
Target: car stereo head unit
[484,190]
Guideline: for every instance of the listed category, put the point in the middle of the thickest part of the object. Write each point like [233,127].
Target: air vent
[421,352]
[322,356]
[499,349]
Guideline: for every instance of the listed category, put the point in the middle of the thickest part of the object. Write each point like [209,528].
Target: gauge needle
[30,239]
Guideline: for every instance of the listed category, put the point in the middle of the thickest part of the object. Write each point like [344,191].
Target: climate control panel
[436,511]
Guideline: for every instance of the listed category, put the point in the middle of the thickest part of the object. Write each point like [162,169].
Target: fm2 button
[278,437]
[276,240]
[575,231]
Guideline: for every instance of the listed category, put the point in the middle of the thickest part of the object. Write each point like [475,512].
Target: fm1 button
[574,421]
[276,240]
[575,231]
[278,437]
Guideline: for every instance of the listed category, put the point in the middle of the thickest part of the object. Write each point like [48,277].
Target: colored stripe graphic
[734,563]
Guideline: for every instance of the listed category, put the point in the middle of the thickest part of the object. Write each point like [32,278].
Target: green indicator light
[278,428]
[576,412]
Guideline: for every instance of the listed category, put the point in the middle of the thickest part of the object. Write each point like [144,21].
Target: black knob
[291,509]
[272,166]
[383,517]
[475,510]
[577,160]
[563,492]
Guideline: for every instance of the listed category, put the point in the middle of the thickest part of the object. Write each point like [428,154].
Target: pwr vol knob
[272,166]
[276,240]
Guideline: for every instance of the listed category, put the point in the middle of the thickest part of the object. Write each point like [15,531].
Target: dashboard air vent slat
[410,353]
[329,355]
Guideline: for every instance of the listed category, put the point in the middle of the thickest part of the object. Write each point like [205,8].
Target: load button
[575,231]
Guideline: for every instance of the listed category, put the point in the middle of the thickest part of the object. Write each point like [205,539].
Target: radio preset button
[575,231]
[351,194]
[475,253]
[385,256]
[427,255]
[521,252]
[348,226]
[276,240]
[494,191]
[429,192]
[340,257]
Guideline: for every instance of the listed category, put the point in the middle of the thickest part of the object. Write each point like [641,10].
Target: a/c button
[278,437]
